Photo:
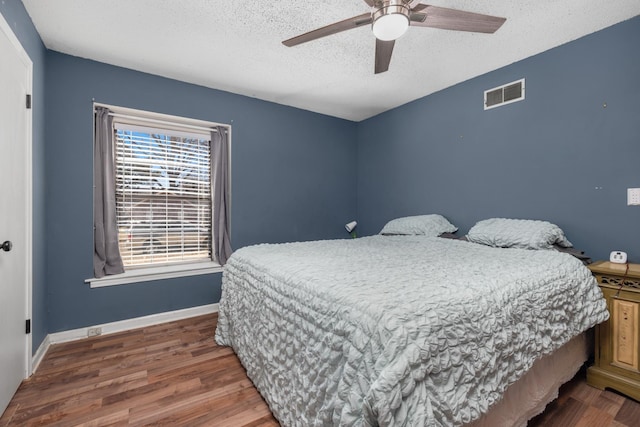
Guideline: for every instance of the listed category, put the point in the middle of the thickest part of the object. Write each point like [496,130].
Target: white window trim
[145,274]
[136,275]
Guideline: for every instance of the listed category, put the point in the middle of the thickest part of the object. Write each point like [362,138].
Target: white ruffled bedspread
[397,330]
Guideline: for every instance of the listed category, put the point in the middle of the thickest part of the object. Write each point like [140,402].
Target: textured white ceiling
[236,45]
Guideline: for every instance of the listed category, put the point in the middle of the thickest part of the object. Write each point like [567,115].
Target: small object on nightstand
[618,257]
[617,362]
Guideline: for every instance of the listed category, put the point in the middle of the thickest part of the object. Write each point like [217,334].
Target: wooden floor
[174,374]
[171,374]
[580,405]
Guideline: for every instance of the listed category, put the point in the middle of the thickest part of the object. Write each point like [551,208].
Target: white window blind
[163,195]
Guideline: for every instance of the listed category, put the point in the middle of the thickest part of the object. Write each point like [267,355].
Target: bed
[406,330]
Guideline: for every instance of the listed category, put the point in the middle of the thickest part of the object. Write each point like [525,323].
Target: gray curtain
[220,175]
[106,254]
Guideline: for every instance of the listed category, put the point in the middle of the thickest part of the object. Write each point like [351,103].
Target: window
[164,170]
[163,196]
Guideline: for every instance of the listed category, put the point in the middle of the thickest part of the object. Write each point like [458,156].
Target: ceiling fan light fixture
[391,21]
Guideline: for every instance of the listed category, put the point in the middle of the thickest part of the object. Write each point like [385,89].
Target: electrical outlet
[633,196]
[94,332]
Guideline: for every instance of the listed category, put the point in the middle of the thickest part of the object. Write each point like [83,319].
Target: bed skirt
[529,396]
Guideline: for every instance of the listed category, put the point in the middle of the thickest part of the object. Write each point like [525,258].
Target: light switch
[633,196]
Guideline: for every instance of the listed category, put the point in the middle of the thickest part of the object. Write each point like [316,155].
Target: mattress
[397,330]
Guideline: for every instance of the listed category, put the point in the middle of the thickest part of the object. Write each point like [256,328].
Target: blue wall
[16,16]
[293,178]
[558,155]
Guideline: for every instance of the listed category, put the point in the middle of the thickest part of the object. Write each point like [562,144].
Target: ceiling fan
[390,19]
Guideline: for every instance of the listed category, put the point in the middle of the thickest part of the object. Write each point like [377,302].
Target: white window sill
[156,273]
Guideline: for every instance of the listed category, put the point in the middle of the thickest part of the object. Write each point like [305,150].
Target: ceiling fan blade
[424,15]
[384,49]
[337,27]
[370,2]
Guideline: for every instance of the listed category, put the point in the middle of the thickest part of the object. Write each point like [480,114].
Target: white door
[15,213]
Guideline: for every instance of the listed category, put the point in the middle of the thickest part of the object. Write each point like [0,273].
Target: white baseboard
[119,326]
[42,350]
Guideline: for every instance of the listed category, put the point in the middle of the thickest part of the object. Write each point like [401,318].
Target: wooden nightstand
[617,363]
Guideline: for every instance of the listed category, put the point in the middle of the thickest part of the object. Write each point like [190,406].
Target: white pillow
[517,233]
[425,225]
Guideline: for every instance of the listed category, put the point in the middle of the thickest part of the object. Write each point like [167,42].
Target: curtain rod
[163,122]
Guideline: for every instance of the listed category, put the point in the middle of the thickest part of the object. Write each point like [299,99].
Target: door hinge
[28,326]
[28,101]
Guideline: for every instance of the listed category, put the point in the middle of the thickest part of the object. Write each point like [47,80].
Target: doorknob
[6,246]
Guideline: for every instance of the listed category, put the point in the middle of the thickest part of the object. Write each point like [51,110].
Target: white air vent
[505,94]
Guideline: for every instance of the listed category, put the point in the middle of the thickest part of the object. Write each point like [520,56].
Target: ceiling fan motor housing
[390,19]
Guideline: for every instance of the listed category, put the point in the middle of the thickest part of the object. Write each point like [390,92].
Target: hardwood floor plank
[629,413]
[594,417]
[568,414]
[174,374]
[243,418]
[29,391]
[156,411]
[217,410]
[266,421]
[99,418]
[54,413]
[585,393]
[150,392]
[90,391]
[609,402]
[614,423]
[6,418]
[161,372]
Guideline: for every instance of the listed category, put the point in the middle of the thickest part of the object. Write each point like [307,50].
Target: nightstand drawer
[624,326]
